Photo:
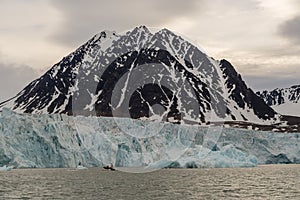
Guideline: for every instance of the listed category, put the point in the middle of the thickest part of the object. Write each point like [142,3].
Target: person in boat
[110,166]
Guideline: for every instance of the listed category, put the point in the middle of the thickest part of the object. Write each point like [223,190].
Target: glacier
[58,140]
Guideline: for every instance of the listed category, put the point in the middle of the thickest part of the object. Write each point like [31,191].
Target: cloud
[14,78]
[270,76]
[83,18]
[250,33]
[291,30]
[260,83]
[24,29]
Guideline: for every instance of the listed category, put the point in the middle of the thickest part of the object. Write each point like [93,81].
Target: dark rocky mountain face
[285,101]
[281,96]
[143,75]
[153,91]
[243,95]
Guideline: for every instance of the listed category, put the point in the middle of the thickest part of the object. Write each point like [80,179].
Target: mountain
[285,101]
[143,75]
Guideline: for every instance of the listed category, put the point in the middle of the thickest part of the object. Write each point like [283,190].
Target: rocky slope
[286,101]
[143,75]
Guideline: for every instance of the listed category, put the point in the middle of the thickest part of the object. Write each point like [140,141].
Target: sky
[261,38]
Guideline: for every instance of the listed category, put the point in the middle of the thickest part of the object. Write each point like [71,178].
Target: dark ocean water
[263,182]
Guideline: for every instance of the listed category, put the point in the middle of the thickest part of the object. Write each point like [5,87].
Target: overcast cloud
[82,19]
[14,78]
[291,30]
[260,37]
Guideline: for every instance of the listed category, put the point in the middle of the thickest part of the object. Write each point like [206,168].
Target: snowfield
[33,140]
[285,101]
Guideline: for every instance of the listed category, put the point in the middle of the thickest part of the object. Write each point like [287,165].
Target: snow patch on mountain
[285,101]
[125,75]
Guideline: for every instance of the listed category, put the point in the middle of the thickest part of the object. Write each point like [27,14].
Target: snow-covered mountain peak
[140,30]
[102,36]
[284,100]
[165,33]
[140,74]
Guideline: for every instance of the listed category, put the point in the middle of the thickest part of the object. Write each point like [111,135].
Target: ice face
[199,157]
[64,141]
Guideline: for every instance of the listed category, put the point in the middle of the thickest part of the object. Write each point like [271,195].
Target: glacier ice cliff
[55,140]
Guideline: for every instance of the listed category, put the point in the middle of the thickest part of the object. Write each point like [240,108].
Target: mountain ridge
[286,101]
[170,74]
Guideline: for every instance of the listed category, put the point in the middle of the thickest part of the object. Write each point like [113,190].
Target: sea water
[262,182]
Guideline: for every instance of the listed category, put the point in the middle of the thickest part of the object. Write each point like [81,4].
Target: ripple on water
[263,182]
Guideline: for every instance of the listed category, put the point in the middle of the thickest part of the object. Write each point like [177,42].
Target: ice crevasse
[32,140]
